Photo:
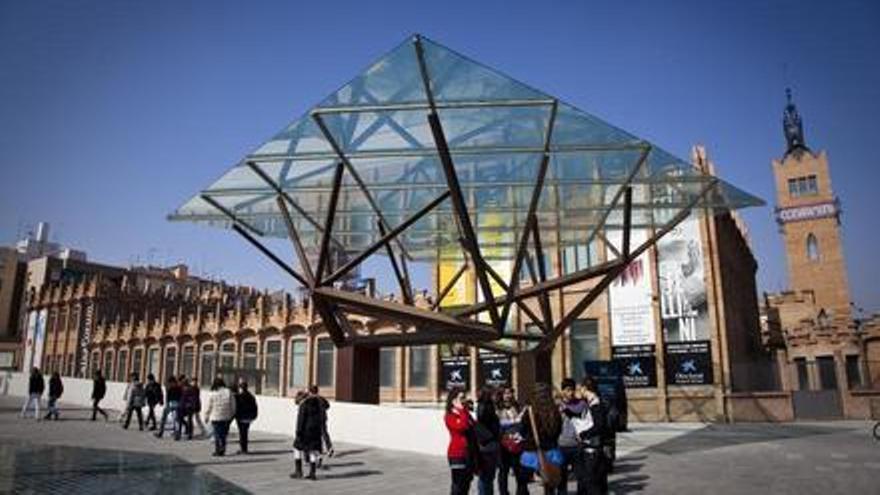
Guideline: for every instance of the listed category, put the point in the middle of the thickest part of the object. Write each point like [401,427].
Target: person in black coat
[309,434]
[488,431]
[99,390]
[36,385]
[245,414]
[56,388]
[153,392]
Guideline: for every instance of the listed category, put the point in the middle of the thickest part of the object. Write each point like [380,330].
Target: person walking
[153,393]
[309,435]
[172,401]
[136,399]
[510,420]
[36,385]
[462,451]
[56,388]
[488,432]
[220,411]
[326,442]
[245,414]
[572,408]
[547,423]
[99,390]
[197,414]
[189,402]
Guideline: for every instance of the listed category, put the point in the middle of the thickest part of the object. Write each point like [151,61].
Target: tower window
[803,186]
[812,248]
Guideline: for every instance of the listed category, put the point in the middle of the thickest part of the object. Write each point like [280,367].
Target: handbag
[511,442]
[550,473]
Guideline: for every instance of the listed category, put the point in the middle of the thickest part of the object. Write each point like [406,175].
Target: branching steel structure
[484,109]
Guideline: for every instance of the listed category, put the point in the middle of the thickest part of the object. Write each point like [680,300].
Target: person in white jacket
[220,411]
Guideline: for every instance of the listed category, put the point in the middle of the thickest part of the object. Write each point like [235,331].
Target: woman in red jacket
[460,452]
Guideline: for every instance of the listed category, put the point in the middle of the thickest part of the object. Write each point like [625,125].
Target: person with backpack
[153,393]
[245,414]
[136,399]
[56,388]
[36,385]
[99,390]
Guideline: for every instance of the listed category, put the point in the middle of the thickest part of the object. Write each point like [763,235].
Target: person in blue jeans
[172,401]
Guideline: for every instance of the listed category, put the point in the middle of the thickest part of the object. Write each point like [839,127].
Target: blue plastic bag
[529,458]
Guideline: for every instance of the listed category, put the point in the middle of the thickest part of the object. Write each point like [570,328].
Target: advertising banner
[638,365]
[455,372]
[27,362]
[632,315]
[689,363]
[40,338]
[494,370]
[683,301]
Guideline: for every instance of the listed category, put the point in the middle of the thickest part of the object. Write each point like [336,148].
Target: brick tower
[808,214]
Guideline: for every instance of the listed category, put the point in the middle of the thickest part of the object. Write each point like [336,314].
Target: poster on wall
[632,314]
[455,372]
[683,301]
[494,370]
[27,362]
[689,363]
[638,365]
[40,338]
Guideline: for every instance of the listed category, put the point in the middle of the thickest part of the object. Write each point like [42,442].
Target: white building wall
[382,427]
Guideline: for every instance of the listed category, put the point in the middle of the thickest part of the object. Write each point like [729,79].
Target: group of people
[556,435]
[181,403]
[36,387]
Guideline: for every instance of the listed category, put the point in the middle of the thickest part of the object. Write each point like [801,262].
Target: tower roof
[792,127]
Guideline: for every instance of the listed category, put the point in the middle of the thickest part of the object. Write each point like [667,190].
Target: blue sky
[113,113]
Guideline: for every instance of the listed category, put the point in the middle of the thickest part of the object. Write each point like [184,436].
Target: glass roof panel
[496,129]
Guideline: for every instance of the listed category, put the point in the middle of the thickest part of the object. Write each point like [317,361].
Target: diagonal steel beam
[531,218]
[354,174]
[401,313]
[449,286]
[405,289]
[459,203]
[387,237]
[297,243]
[231,216]
[241,228]
[617,196]
[501,283]
[281,192]
[543,297]
[324,252]
[328,317]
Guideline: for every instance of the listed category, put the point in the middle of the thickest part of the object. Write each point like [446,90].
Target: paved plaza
[75,455]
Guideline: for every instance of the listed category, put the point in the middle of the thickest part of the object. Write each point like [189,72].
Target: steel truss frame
[419,325]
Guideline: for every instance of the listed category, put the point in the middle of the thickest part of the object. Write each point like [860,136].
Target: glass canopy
[498,132]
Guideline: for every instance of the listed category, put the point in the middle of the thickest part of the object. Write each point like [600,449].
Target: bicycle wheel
[877,431]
